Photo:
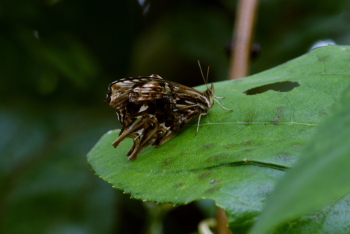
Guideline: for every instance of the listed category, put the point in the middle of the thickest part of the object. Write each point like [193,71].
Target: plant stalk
[243,34]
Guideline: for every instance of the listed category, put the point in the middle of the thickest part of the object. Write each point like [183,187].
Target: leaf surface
[319,180]
[238,156]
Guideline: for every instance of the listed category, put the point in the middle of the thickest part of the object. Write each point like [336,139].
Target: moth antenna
[207,79]
[204,79]
[200,69]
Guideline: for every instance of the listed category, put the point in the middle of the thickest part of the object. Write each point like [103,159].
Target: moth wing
[121,90]
[118,92]
[151,90]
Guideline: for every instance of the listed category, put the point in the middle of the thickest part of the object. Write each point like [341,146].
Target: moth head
[209,94]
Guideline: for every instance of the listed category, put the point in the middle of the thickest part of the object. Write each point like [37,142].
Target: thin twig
[239,67]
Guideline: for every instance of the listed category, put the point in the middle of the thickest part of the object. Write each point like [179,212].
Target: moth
[152,110]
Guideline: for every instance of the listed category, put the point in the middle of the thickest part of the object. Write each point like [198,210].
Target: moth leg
[199,121]
[222,105]
[193,113]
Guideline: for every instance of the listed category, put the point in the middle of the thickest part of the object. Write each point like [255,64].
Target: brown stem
[245,21]
[221,222]
[239,67]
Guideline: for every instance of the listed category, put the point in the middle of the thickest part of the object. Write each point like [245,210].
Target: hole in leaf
[284,86]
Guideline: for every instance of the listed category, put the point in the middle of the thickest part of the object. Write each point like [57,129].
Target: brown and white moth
[153,110]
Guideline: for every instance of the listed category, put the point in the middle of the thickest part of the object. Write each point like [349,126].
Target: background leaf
[266,132]
[36,171]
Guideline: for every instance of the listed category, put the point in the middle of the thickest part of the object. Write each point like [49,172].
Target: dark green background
[58,57]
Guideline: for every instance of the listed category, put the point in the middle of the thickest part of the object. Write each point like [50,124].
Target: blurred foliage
[57,58]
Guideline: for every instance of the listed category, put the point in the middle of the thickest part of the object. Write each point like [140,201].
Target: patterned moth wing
[153,110]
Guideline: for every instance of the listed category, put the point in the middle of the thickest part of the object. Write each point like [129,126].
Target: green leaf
[321,176]
[238,156]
